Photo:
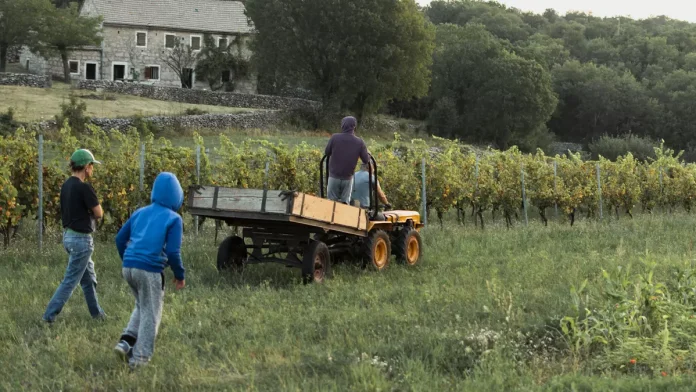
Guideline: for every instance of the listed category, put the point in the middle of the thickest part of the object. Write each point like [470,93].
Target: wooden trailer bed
[277,209]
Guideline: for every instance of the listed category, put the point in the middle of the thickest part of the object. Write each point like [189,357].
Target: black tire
[316,263]
[232,254]
[376,250]
[408,247]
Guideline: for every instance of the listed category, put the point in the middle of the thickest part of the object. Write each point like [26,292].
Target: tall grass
[452,323]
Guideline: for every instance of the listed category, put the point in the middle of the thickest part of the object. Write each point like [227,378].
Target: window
[222,42]
[152,72]
[141,39]
[226,76]
[169,41]
[74,67]
[195,42]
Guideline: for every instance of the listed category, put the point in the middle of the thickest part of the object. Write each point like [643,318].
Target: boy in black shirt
[80,209]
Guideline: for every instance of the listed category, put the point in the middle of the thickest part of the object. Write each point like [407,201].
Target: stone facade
[199,97]
[255,120]
[26,80]
[120,51]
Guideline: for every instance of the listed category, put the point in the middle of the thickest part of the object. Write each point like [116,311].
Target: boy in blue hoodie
[148,242]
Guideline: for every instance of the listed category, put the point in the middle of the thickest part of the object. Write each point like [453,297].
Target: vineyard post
[425,204]
[524,198]
[599,190]
[40,212]
[555,191]
[142,167]
[198,181]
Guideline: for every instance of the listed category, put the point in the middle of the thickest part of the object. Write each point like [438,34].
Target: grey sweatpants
[340,190]
[148,288]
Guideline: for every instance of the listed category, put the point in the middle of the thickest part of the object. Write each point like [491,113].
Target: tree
[19,20]
[497,94]
[180,59]
[65,30]
[213,60]
[356,54]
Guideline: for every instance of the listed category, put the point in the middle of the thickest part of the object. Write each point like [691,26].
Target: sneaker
[124,350]
[100,317]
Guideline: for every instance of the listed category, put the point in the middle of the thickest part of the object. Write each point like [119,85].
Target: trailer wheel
[377,250]
[408,247]
[232,254]
[316,263]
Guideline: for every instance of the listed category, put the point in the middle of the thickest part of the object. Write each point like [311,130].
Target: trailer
[305,231]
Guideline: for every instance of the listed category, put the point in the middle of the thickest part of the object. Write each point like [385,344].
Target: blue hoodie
[152,237]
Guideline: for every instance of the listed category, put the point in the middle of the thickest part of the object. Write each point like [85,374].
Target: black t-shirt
[77,199]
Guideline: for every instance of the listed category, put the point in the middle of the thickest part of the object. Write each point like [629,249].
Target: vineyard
[502,183]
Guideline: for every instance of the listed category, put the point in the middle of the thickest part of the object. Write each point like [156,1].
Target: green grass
[35,104]
[403,329]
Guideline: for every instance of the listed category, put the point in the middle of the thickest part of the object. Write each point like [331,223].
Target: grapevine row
[456,178]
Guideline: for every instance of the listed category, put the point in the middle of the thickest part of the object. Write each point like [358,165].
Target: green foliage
[356,55]
[73,115]
[19,22]
[8,124]
[63,30]
[492,75]
[609,147]
[213,60]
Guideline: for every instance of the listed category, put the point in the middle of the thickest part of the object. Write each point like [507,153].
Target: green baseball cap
[83,157]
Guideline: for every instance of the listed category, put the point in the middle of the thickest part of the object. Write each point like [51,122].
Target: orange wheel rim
[380,256]
[412,251]
[318,268]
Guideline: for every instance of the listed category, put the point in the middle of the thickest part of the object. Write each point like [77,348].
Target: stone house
[137,34]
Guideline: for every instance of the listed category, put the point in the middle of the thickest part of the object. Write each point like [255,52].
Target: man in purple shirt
[344,148]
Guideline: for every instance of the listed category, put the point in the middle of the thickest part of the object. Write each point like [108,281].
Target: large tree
[65,30]
[213,61]
[492,94]
[19,20]
[180,60]
[357,54]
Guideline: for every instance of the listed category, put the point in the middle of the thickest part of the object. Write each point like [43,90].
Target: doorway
[91,71]
[119,72]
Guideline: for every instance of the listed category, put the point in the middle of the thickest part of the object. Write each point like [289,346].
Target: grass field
[35,104]
[400,330]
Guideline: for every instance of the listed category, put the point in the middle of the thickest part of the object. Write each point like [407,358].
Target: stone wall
[26,80]
[199,97]
[260,119]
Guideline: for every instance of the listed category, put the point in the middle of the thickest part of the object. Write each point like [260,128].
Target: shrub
[7,122]
[73,113]
[611,147]
[194,112]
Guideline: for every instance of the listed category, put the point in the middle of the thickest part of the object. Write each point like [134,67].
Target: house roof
[194,15]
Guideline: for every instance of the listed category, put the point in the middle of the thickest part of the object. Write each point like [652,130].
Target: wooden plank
[316,208]
[229,199]
[346,215]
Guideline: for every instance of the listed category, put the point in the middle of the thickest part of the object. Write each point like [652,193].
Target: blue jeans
[80,270]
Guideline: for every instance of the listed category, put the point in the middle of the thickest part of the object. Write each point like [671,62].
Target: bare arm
[382,196]
[98,212]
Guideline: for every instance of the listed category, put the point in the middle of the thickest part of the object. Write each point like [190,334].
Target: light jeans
[340,190]
[80,270]
[148,289]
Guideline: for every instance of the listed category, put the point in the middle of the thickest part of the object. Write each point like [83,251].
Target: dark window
[170,41]
[141,39]
[74,67]
[226,76]
[196,43]
[152,73]
[222,42]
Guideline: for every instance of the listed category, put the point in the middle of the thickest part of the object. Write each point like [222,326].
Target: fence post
[425,203]
[599,191]
[555,190]
[524,198]
[142,167]
[198,182]
[40,212]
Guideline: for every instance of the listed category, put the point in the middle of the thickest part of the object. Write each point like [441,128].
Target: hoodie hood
[348,124]
[167,191]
